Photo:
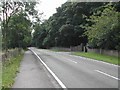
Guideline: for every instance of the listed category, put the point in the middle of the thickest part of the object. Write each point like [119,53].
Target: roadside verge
[10,69]
[100,57]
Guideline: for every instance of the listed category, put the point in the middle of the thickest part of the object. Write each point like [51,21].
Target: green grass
[58,50]
[105,58]
[9,71]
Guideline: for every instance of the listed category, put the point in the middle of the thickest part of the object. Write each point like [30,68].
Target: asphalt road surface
[79,72]
[33,74]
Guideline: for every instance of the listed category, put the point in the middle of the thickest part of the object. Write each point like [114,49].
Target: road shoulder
[32,74]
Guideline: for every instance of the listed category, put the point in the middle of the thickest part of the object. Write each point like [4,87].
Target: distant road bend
[78,72]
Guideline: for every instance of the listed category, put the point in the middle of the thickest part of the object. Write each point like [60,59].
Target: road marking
[69,60]
[99,61]
[107,74]
[73,61]
[56,78]
[66,59]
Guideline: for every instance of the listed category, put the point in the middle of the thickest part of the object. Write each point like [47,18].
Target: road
[32,74]
[79,72]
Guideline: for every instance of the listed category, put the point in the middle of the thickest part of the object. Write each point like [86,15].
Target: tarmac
[33,74]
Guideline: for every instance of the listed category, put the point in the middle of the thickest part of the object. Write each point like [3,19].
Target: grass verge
[105,58]
[10,69]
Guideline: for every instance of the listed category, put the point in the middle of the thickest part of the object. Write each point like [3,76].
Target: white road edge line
[107,74]
[100,61]
[56,78]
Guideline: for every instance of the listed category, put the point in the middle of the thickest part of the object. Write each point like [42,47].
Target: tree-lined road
[79,72]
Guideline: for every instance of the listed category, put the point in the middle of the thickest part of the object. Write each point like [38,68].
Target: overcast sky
[49,7]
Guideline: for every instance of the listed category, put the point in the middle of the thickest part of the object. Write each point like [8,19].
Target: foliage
[105,30]
[63,28]
[9,71]
[16,23]
[19,32]
[38,35]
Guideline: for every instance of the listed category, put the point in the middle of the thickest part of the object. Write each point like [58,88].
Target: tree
[9,9]
[39,35]
[63,29]
[66,33]
[20,32]
[104,32]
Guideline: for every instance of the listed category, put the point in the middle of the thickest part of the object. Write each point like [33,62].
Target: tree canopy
[16,23]
[94,24]
[63,28]
[105,31]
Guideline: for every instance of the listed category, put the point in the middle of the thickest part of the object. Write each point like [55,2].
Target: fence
[80,48]
[10,54]
[105,52]
[77,48]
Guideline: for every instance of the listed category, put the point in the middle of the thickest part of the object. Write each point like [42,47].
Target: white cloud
[49,7]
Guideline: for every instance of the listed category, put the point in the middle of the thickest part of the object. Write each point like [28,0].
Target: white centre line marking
[68,59]
[107,74]
[56,78]
[73,61]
